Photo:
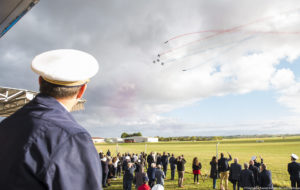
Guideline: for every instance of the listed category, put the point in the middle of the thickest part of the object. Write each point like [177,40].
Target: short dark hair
[58,91]
[222,155]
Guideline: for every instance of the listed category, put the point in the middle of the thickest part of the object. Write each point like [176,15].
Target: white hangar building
[141,139]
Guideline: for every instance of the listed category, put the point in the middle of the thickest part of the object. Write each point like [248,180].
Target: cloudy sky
[228,68]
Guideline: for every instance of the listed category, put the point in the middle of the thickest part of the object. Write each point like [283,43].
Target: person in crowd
[151,174]
[135,158]
[196,169]
[108,154]
[172,166]
[158,159]
[255,171]
[234,174]
[145,186]
[40,143]
[128,176]
[115,162]
[150,159]
[294,171]
[159,175]
[105,171]
[101,155]
[111,170]
[126,160]
[257,164]
[223,169]
[165,162]
[120,163]
[180,162]
[214,170]
[246,178]
[139,177]
[265,178]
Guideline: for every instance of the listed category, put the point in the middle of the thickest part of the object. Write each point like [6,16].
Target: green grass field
[275,151]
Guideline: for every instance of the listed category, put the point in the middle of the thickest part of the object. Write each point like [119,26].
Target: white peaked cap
[66,67]
[127,158]
[104,159]
[294,156]
[253,158]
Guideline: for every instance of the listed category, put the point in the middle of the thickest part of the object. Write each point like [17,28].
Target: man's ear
[81,91]
[40,80]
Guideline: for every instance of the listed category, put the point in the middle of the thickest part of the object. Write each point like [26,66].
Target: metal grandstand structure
[12,99]
[11,11]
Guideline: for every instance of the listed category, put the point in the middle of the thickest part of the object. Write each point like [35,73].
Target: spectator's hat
[145,178]
[65,67]
[253,158]
[158,187]
[294,156]
[104,159]
[127,158]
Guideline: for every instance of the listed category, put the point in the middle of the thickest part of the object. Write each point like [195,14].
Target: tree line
[125,135]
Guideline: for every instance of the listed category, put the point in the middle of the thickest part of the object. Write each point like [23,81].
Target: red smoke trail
[219,32]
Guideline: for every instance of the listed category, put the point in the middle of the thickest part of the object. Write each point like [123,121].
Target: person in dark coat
[151,174]
[294,171]
[172,166]
[223,168]
[246,178]
[150,159]
[180,162]
[255,171]
[128,176]
[40,143]
[165,162]
[158,159]
[126,160]
[234,174]
[139,177]
[265,178]
[256,163]
[214,170]
[159,176]
[108,153]
[196,169]
[105,171]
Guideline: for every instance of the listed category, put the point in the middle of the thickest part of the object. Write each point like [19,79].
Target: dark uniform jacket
[255,171]
[164,160]
[172,162]
[294,171]
[265,179]
[151,173]
[246,178]
[128,173]
[150,160]
[43,147]
[235,171]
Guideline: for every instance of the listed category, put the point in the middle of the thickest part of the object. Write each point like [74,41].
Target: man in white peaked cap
[294,171]
[42,147]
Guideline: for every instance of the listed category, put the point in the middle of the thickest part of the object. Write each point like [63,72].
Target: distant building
[141,139]
[98,140]
[116,140]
